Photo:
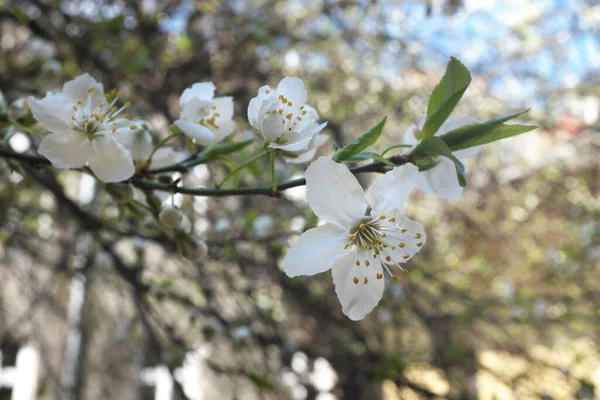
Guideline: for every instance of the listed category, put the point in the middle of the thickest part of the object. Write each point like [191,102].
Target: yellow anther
[401,245]
[280,111]
[80,102]
[127,104]
[289,116]
[367,263]
[385,246]
[418,236]
[114,108]
[267,91]
[395,277]
[346,246]
[74,108]
[132,127]
[374,255]
[406,257]
[119,94]
[214,107]
[388,258]
[351,237]
[405,272]
[357,263]
[393,219]
[90,90]
[362,227]
[366,280]
[73,118]
[382,217]
[379,276]
[303,112]
[107,96]
[402,230]
[126,116]
[355,280]
[419,244]
[302,108]
[289,103]
[383,235]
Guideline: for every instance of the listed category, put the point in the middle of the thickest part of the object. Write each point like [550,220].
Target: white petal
[198,132]
[110,161]
[357,299]
[316,250]
[311,131]
[301,144]
[390,192]
[271,126]
[413,238]
[225,128]
[307,156]
[190,111]
[201,90]
[334,194]
[78,89]
[442,179]
[166,156]
[455,123]
[224,106]
[256,103]
[67,150]
[138,142]
[54,111]
[293,89]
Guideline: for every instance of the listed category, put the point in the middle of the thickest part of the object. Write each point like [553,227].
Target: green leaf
[362,156]
[175,130]
[215,150]
[361,143]
[436,146]
[485,132]
[446,96]
[385,161]
[261,382]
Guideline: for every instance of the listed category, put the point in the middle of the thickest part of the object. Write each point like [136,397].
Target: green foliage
[485,132]
[361,143]
[436,146]
[446,96]
[261,382]
[214,151]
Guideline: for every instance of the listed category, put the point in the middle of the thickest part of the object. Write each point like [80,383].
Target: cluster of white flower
[366,235]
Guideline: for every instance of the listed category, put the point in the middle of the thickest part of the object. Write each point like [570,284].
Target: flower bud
[192,249]
[122,194]
[170,216]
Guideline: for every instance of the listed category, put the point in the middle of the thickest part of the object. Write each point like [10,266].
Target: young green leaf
[446,96]
[361,143]
[219,149]
[485,132]
[436,146]
[361,156]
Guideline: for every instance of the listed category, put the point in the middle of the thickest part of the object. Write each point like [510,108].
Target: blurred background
[502,303]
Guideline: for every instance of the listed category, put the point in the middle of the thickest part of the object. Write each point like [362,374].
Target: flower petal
[191,109]
[390,192]
[301,144]
[441,180]
[202,134]
[202,90]
[293,89]
[316,250]
[138,142]
[79,89]
[256,103]
[357,299]
[67,150]
[334,194]
[224,106]
[110,161]
[166,156]
[408,240]
[225,128]
[271,126]
[54,111]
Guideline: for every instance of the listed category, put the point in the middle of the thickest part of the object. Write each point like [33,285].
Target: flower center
[93,120]
[208,116]
[384,239]
[291,117]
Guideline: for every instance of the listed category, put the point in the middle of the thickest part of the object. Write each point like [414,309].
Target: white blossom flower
[165,157]
[366,234]
[87,128]
[318,141]
[442,179]
[282,118]
[203,117]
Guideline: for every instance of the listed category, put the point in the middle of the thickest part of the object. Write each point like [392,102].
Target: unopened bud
[122,194]
[192,249]
[170,216]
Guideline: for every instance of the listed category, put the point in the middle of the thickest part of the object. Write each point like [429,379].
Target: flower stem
[273,176]
[244,165]
[25,129]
